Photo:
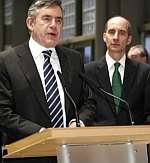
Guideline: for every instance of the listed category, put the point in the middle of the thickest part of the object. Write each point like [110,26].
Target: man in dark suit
[24,107]
[134,78]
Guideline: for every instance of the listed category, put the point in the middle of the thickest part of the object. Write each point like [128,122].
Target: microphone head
[61,79]
[59,74]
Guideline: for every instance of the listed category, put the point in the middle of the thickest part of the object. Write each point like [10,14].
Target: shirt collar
[36,49]
[110,61]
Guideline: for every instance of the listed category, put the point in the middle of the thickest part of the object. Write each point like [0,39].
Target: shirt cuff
[74,120]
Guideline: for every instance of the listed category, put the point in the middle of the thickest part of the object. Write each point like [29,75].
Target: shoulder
[70,55]
[140,71]
[12,51]
[137,65]
[65,50]
[91,65]
[95,64]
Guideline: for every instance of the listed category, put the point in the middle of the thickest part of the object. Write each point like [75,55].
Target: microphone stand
[70,98]
[99,90]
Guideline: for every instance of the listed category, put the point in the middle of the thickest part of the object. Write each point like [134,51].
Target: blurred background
[83,23]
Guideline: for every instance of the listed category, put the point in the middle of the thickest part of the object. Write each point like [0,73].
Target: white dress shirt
[36,51]
[110,63]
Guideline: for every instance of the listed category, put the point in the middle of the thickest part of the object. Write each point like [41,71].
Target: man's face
[116,36]
[46,27]
[135,54]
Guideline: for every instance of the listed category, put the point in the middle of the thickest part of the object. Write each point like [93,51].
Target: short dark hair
[37,4]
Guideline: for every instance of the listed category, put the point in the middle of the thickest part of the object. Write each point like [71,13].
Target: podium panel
[103,153]
[84,139]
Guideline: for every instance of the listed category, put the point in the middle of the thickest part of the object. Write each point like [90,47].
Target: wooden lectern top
[47,142]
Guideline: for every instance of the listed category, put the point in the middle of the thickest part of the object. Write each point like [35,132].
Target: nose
[116,35]
[53,22]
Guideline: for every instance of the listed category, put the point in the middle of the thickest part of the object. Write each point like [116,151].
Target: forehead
[135,51]
[117,23]
[51,10]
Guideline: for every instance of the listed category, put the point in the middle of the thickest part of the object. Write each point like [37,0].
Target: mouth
[52,34]
[115,45]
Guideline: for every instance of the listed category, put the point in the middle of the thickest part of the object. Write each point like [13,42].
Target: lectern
[107,144]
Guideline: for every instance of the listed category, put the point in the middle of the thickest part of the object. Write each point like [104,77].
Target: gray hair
[38,4]
[142,49]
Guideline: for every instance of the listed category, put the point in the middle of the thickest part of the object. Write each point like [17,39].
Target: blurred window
[8,12]
[69,18]
[88,23]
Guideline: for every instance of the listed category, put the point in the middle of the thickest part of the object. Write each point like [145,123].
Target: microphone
[99,90]
[70,98]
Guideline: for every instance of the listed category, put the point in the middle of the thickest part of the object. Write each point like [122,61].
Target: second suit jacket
[23,106]
[135,92]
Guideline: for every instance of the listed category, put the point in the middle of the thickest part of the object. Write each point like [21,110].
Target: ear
[30,23]
[129,40]
[104,37]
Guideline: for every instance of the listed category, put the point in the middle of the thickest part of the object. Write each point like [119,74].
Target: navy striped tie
[52,93]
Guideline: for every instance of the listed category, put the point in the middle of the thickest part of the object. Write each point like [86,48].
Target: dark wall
[1,25]
[19,29]
[134,11]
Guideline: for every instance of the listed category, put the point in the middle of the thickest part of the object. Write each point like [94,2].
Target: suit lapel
[129,75]
[66,69]
[104,81]
[65,65]
[103,76]
[29,69]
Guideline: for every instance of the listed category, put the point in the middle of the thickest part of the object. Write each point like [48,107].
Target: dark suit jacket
[136,92]
[23,106]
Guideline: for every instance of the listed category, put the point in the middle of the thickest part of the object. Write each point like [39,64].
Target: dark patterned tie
[116,85]
[52,93]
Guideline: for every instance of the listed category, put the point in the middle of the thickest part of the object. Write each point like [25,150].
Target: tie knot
[47,53]
[117,64]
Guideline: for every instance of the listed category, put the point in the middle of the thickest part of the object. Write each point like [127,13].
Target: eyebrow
[59,17]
